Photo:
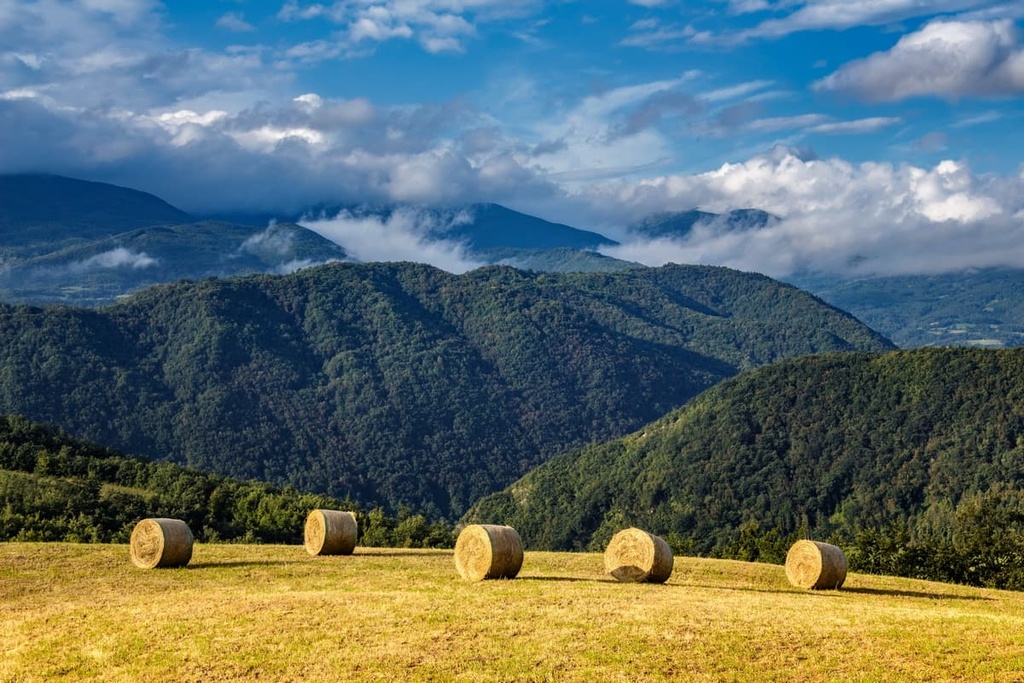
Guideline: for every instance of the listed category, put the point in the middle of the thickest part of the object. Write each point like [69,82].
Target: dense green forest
[56,488]
[399,384]
[913,458]
[976,307]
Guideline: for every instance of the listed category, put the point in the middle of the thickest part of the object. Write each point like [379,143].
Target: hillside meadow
[272,613]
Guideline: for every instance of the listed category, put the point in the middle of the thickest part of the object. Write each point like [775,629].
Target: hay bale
[634,555]
[161,542]
[488,551]
[331,532]
[816,565]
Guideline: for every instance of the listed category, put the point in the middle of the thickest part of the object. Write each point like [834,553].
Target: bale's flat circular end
[160,542]
[634,555]
[330,532]
[488,551]
[815,565]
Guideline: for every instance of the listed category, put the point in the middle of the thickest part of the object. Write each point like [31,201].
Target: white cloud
[611,132]
[115,258]
[843,14]
[297,264]
[871,218]
[437,25]
[235,21]
[866,125]
[272,240]
[653,36]
[978,119]
[777,123]
[748,6]
[735,91]
[404,235]
[949,59]
[90,53]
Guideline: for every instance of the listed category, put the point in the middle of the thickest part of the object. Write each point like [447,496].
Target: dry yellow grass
[274,613]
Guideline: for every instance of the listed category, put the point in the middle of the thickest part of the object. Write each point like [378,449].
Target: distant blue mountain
[47,209]
[492,226]
[680,223]
[479,227]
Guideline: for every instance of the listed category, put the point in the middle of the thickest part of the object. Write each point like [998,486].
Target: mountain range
[84,243]
[400,383]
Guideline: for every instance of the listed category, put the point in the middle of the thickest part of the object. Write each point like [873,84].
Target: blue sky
[885,134]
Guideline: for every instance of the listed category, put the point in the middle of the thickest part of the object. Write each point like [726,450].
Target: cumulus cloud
[402,235]
[949,59]
[269,157]
[92,53]
[866,219]
[437,25]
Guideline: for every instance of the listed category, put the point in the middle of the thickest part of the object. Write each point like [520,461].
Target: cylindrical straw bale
[488,551]
[637,556]
[331,532]
[816,565]
[161,542]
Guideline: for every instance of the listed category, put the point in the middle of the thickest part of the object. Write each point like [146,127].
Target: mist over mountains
[85,243]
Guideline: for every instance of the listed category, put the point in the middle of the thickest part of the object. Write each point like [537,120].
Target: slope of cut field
[82,612]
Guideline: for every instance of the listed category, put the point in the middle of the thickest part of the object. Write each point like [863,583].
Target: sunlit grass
[272,613]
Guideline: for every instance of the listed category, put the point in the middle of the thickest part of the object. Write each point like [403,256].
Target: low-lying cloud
[119,257]
[404,234]
[857,220]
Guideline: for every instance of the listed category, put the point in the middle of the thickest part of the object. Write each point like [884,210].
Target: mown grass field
[273,613]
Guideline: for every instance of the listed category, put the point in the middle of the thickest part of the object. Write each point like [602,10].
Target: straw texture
[161,542]
[633,555]
[815,565]
[330,532]
[488,551]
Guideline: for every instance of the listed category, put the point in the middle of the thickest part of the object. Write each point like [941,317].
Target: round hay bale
[331,532]
[488,551]
[161,542]
[816,565]
[634,555]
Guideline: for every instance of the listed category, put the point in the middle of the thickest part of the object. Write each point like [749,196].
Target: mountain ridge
[399,383]
[824,446]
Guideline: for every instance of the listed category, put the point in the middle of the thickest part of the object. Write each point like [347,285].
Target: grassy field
[272,613]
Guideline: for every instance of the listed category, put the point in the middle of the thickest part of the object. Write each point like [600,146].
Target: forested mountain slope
[57,488]
[980,307]
[400,383]
[99,271]
[825,445]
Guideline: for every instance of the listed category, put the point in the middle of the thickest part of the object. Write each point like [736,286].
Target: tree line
[56,488]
